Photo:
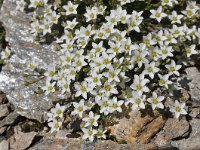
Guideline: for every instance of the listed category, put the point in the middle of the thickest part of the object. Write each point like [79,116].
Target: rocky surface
[193,75]
[64,143]
[136,127]
[25,50]
[3,144]
[22,112]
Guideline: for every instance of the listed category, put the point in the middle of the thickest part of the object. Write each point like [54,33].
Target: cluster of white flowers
[56,117]
[103,66]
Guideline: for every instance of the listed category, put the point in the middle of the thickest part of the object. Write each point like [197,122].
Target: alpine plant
[113,55]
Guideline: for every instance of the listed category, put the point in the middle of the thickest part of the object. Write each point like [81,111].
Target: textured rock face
[193,141]
[193,74]
[63,143]
[137,127]
[20,140]
[25,51]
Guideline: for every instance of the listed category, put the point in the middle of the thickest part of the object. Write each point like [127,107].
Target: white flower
[94,80]
[71,24]
[114,48]
[139,84]
[127,46]
[91,120]
[178,109]
[49,87]
[113,18]
[79,63]
[175,18]
[36,27]
[91,13]
[191,9]
[177,31]
[82,89]
[50,117]
[5,54]
[190,50]
[191,33]
[47,10]
[51,72]
[20,5]
[170,37]
[101,9]
[109,88]
[173,68]
[123,16]
[105,60]
[160,37]
[134,24]
[108,29]
[123,2]
[104,104]
[164,80]
[150,69]
[167,2]
[89,133]
[140,57]
[34,3]
[101,133]
[115,105]
[58,110]
[155,53]
[157,14]
[134,21]
[46,27]
[156,101]
[85,33]
[166,51]
[53,18]
[149,40]
[138,102]
[55,125]
[70,8]
[79,108]
[112,74]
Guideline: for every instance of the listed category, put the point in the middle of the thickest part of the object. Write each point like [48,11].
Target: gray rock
[176,128]
[10,119]
[3,144]
[20,140]
[2,130]
[193,76]
[3,110]
[64,143]
[194,112]
[25,50]
[193,141]
[3,98]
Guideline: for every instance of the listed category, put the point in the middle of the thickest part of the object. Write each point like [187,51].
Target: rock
[3,110]
[20,140]
[175,128]
[2,130]
[64,143]
[25,50]
[3,98]
[137,127]
[3,144]
[193,141]
[194,111]
[151,129]
[10,119]
[193,75]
